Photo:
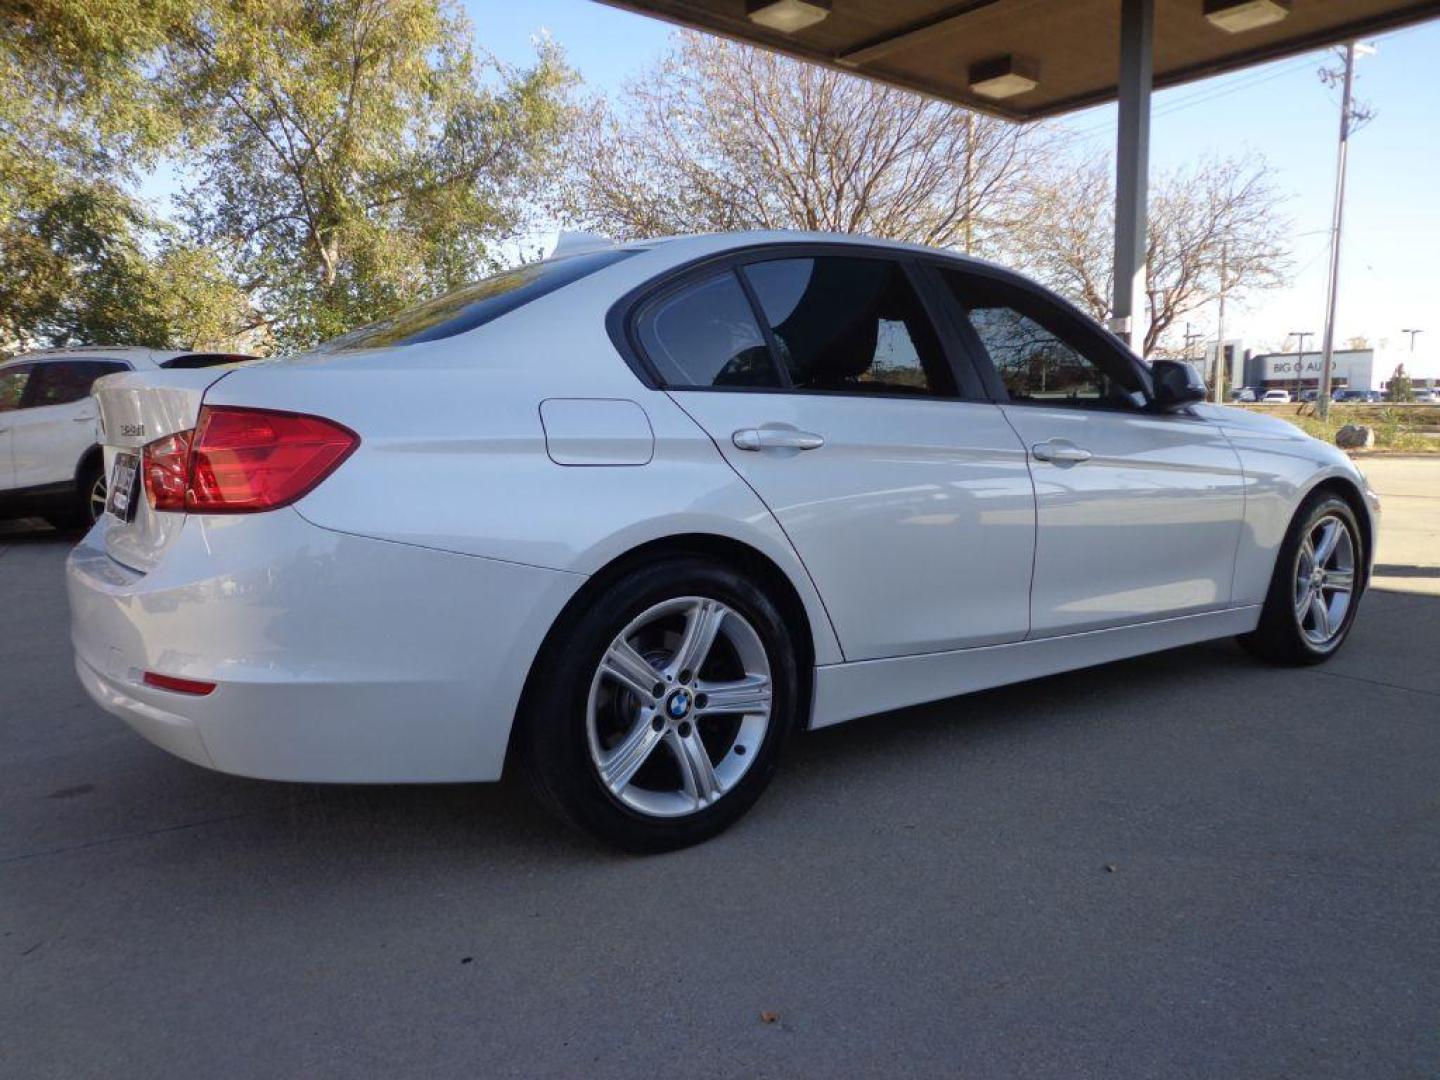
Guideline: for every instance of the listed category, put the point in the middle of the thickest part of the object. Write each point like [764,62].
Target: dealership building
[1351,369]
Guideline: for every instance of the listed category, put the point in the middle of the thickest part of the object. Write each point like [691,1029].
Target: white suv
[50,460]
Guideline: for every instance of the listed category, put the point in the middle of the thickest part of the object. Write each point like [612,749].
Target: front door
[56,423]
[911,506]
[1139,512]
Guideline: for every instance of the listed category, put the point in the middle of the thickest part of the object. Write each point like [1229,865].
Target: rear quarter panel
[453,453]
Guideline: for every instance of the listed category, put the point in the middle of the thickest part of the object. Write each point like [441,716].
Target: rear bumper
[337,658]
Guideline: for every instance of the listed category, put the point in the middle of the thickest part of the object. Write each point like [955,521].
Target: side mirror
[1177,385]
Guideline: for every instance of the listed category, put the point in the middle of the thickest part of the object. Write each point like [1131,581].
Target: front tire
[658,710]
[1316,588]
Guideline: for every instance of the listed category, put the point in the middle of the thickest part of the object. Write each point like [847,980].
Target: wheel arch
[1350,492]
[94,455]
[725,550]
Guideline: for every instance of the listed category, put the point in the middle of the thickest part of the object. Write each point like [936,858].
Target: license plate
[123,477]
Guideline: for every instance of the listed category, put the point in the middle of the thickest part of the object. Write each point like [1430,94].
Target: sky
[1390,252]
[1390,265]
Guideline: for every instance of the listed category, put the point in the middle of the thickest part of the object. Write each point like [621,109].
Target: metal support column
[1132,168]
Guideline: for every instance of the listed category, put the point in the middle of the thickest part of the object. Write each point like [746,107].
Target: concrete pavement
[1408,556]
[1182,865]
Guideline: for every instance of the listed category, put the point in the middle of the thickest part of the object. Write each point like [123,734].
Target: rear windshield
[474,305]
[204,360]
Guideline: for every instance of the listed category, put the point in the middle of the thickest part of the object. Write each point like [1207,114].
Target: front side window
[1036,356]
[853,325]
[12,385]
[64,381]
[705,335]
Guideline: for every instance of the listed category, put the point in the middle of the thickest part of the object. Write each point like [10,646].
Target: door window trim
[621,319]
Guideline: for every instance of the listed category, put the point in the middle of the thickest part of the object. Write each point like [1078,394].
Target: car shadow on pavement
[109,787]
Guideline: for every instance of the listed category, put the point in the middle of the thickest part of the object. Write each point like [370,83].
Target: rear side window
[705,334]
[63,381]
[203,360]
[12,385]
[852,325]
[474,305]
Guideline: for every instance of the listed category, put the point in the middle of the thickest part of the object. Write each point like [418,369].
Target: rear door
[1139,512]
[13,380]
[56,422]
[824,383]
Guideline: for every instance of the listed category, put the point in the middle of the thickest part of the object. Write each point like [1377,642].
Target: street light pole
[1412,334]
[1327,357]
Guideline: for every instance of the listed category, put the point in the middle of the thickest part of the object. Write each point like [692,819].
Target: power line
[1206,95]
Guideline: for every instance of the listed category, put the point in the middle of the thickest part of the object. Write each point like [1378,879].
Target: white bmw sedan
[631,518]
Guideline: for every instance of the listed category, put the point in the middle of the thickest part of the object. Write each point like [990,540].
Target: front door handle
[768,438]
[1060,452]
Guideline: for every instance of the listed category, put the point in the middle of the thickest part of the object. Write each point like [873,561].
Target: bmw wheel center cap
[679,704]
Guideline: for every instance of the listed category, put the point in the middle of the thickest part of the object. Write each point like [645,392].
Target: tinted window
[204,360]
[64,381]
[1040,358]
[706,335]
[852,325]
[474,305]
[12,385]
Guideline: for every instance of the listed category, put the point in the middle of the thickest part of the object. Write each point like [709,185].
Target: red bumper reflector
[179,686]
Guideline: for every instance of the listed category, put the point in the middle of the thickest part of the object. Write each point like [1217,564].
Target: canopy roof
[1074,45]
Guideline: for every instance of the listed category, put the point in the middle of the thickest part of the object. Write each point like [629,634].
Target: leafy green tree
[356,155]
[1401,388]
[80,116]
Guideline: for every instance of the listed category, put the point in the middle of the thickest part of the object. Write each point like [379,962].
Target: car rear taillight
[239,460]
[166,467]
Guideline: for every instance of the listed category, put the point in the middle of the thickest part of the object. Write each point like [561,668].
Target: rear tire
[656,713]
[1316,588]
[88,502]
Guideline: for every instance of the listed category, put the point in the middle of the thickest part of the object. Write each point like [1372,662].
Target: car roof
[695,245]
[135,355]
[132,353]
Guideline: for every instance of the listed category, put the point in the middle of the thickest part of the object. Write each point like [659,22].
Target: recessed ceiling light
[1004,77]
[1237,16]
[787,16]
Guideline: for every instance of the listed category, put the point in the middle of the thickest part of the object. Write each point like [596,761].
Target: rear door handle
[82,419]
[1060,452]
[768,438]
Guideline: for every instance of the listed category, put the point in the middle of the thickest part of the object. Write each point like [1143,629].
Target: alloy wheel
[679,706]
[95,502]
[1324,580]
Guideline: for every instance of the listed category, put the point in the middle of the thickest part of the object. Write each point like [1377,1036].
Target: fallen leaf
[768,1017]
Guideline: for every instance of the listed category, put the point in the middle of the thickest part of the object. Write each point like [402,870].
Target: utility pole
[1220,371]
[1412,334]
[1300,360]
[1190,340]
[1322,403]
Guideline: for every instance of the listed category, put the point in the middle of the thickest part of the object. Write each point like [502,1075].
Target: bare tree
[1196,213]
[722,136]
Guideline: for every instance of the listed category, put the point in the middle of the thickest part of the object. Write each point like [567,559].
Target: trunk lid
[137,408]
